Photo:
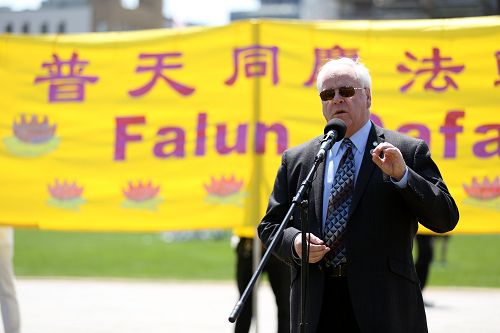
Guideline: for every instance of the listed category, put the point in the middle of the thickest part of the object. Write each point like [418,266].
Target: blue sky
[209,12]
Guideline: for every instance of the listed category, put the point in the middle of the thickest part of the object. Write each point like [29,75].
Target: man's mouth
[336,113]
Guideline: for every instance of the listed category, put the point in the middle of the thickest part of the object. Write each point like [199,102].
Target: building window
[61,28]
[44,28]
[25,28]
[8,28]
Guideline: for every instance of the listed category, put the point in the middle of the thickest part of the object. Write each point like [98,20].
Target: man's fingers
[389,159]
[317,252]
[383,149]
[391,152]
[314,240]
[377,160]
[317,248]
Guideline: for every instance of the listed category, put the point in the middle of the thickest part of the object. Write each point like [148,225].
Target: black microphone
[334,131]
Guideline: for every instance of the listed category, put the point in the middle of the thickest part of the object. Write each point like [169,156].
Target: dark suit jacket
[380,229]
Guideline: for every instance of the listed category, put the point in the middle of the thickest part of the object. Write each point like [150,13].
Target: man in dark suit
[365,203]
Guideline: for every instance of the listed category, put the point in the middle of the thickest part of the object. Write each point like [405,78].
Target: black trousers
[337,315]
[279,278]
[425,255]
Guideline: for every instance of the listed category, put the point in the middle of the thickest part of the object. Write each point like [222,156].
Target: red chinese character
[256,60]
[322,55]
[157,70]
[497,55]
[66,81]
[435,69]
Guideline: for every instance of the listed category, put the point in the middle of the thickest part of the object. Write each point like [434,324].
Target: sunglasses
[329,94]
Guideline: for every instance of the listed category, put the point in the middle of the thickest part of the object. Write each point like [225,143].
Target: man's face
[354,110]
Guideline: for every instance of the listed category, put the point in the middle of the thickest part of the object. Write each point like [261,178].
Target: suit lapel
[317,194]
[367,167]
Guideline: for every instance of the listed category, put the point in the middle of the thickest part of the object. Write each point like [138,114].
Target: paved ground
[117,306]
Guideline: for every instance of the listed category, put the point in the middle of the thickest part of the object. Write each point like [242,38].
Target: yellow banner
[184,129]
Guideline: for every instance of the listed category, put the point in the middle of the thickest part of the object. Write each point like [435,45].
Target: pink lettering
[221,137]
[178,142]
[480,148]
[260,137]
[122,137]
[450,130]
[201,135]
[423,132]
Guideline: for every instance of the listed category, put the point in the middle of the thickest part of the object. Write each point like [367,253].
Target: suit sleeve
[279,203]
[427,194]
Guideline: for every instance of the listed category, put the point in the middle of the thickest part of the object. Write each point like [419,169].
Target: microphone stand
[304,268]
[301,193]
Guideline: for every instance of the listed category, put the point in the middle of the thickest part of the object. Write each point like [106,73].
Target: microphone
[334,131]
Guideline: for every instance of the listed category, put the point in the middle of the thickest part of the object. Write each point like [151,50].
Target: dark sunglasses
[329,94]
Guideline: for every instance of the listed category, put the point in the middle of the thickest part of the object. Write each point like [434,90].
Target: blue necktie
[338,207]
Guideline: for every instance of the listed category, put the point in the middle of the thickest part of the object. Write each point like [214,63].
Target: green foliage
[471,260]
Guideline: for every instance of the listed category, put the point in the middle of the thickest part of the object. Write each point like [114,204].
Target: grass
[44,253]
[472,260]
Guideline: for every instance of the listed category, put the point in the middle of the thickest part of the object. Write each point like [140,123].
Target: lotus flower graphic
[32,137]
[65,195]
[141,196]
[485,194]
[225,191]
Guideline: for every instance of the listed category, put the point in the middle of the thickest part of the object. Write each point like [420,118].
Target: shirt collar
[358,140]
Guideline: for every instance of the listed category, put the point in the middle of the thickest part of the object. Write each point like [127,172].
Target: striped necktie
[338,207]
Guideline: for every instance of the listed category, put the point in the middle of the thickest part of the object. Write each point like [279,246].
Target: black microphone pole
[335,131]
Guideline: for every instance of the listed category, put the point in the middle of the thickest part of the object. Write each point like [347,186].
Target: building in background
[397,9]
[283,9]
[370,9]
[78,16]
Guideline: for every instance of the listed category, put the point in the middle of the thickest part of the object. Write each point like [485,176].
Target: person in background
[425,249]
[425,254]
[426,245]
[443,239]
[8,297]
[278,274]
[365,203]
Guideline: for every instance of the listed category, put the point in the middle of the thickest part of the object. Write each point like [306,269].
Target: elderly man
[365,203]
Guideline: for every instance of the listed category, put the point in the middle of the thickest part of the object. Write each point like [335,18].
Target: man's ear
[368,97]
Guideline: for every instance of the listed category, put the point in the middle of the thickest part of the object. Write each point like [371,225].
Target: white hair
[362,73]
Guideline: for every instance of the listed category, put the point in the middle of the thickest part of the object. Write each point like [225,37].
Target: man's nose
[337,99]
